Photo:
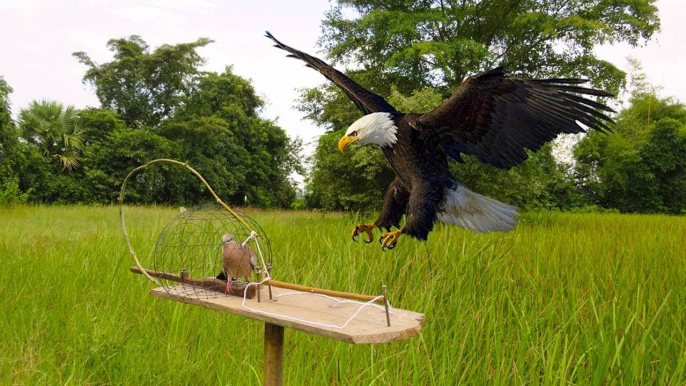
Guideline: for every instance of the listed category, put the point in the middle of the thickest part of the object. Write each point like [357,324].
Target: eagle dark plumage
[490,116]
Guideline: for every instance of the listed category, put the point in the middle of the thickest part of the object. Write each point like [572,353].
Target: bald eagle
[491,116]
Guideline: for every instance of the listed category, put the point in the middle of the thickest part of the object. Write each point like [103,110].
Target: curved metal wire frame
[121,208]
[191,242]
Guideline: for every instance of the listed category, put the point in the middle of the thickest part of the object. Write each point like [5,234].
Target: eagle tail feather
[477,213]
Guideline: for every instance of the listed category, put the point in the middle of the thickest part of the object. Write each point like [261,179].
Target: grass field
[564,299]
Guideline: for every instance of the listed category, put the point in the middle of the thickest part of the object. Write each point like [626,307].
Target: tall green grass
[565,299]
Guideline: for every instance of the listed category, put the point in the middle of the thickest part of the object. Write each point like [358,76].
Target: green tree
[225,94]
[212,148]
[8,135]
[438,43]
[10,191]
[209,119]
[417,53]
[110,160]
[54,129]
[96,124]
[24,170]
[113,149]
[144,87]
[352,180]
[642,166]
[412,45]
[259,156]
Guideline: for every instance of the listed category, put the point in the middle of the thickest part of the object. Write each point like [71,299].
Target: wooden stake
[269,271]
[385,300]
[273,355]
[337,294]
[259,289]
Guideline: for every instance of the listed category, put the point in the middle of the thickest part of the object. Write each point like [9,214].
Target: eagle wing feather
[365,100]
[494,117]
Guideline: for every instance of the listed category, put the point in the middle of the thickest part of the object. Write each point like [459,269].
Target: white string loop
[253,235]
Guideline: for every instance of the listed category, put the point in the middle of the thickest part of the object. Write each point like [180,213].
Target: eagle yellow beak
[346,141]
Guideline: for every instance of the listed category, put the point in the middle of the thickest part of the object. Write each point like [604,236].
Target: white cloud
[20,5]
[183,4]
[146,14]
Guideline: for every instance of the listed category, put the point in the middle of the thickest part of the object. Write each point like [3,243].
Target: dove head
[227,238]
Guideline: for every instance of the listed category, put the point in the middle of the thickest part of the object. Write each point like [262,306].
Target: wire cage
[191,244]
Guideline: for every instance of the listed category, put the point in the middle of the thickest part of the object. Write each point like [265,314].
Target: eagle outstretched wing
[365,100]
[494,117]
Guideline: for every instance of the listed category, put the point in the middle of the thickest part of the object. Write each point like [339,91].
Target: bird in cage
[491,116]
[238,260]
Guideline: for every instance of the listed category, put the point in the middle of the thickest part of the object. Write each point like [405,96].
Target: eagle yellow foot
[390,240]
[364,229]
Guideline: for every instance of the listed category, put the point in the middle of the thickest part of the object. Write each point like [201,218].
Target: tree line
[154,104]
[157,103]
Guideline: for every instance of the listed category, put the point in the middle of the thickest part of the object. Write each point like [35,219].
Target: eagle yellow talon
[390,240]
[361,228]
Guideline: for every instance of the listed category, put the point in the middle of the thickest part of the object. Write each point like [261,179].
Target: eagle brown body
[491,116]
[421,179]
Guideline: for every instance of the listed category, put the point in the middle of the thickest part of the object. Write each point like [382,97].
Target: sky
[37,38]
[664,57]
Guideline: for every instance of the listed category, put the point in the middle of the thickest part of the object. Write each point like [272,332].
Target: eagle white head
[377,128]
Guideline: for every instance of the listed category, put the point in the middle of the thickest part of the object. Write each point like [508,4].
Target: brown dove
[238,260]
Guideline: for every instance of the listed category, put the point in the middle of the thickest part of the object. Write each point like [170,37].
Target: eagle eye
[353,134]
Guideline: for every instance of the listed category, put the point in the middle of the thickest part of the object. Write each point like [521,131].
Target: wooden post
[269,271]
[273,355]
[259,288]
[385,300]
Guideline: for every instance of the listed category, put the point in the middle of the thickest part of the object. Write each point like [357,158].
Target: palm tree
[54,129]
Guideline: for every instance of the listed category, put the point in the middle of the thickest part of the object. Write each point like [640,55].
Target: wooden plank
[369,326]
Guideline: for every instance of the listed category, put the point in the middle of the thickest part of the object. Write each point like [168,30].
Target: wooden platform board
[369,326]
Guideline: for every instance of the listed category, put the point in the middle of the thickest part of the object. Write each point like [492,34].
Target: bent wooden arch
[121,208]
